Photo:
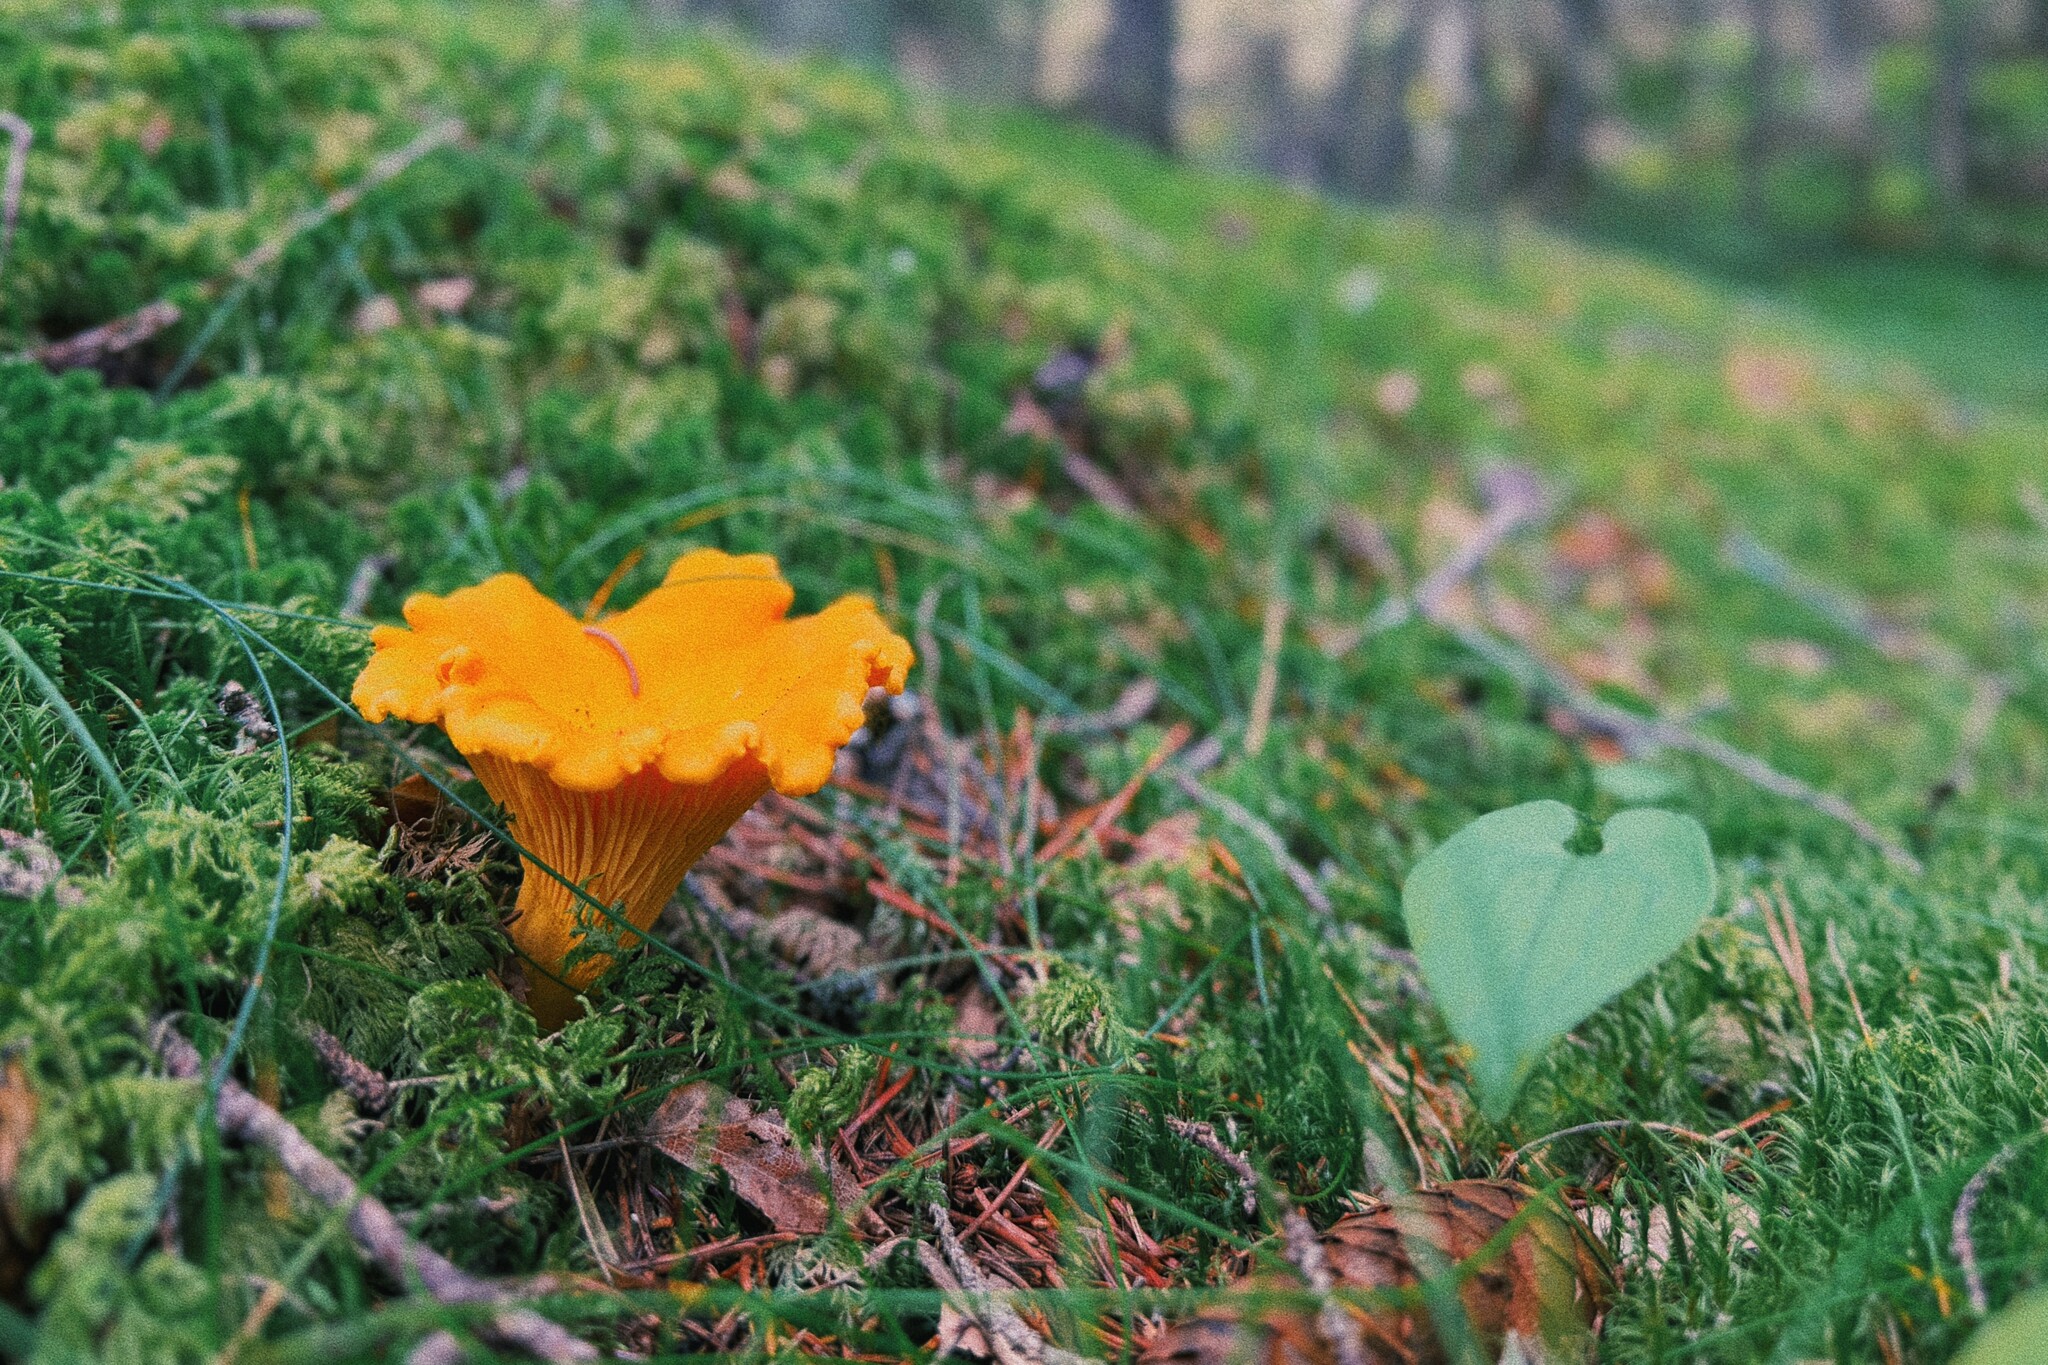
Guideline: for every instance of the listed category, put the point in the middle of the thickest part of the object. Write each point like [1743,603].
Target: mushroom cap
[704,670]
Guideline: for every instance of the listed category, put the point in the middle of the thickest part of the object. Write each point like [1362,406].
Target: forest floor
[1251,546]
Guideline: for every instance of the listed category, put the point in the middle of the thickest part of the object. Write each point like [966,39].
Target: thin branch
[246,1119]
[1132,705]
[1640,733]
[1959,1239]
[1304,1250]
[19,135]
[124,333]
[1092,479]
[369,1088]
[1518,501]
[1204,1135]
[1009,1336]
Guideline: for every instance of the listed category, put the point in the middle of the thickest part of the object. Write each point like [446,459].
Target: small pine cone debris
[1547,1286]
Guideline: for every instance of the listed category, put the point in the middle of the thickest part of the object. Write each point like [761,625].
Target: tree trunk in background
[1281,144]
[1134,82]
[1948,160]
[853,28]
[1760,140]
[1563,157]
[1842,89]
[1368,145]
[1449,99]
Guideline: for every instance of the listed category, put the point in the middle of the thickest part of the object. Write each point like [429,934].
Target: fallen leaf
[815,944]
[1397,394]
[378,313]
[712,1132]
[17,1126]
[1592,541]
[450,295]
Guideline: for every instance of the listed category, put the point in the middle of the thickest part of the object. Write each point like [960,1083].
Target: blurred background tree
[1730,129]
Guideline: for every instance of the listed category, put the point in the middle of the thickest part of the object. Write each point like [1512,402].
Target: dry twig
[1009,1336]
[1132,705]
[364,1084]
[1645,733]
[1304,1250]
[244,1118]
[1959,1239]
[1204,1135]
[124,333]
[1517,500]
[19,135]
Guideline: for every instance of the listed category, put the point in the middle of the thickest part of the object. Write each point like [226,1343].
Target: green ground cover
[661,293]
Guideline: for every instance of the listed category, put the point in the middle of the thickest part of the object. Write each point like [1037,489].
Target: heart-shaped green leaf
[2013,1336]
[1520,937]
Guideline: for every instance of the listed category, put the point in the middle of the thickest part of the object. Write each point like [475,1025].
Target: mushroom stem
[626,847]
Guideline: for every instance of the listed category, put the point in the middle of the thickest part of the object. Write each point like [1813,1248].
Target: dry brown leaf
[17,1125]
[1548,1284]
[815,944]
[1766,382]
[711,1132]
[1591,541]
[1027,418]
[449,295]
[1396,394]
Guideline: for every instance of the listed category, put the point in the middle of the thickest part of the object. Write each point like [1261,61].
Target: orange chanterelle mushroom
[624,748]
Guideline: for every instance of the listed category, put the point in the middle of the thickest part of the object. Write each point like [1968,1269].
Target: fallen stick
[124,333]
[1960,1241]
[1304,1251]
[1517,500]
[1640,733]
[1204,1135]
[19,135]
[1009,1336]
[244,1118]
